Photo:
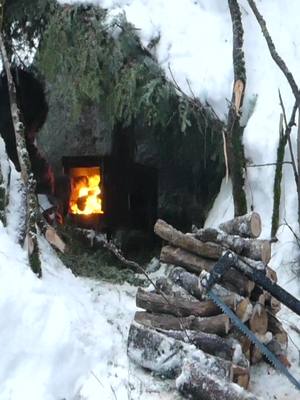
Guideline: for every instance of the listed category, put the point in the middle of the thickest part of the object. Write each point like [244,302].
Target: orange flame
[86,195]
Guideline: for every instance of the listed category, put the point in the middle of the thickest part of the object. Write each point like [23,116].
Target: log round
[248,225]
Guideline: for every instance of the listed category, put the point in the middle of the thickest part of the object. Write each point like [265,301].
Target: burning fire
[86,195]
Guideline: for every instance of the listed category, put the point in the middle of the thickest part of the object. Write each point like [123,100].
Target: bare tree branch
[276,57]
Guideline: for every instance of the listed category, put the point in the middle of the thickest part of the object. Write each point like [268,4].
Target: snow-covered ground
[64,337]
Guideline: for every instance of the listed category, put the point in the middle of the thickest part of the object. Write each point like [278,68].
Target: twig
[288,130]
[266,164]
[132,264]
[278,60]
[293,232]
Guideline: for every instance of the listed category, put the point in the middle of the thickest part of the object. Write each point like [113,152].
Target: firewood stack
[183,335]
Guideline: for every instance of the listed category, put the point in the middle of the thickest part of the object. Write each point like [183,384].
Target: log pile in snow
[182,334]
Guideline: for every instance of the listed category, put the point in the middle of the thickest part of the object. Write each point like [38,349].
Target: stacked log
[182,334]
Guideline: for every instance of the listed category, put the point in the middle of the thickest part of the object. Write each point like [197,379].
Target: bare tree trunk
[234,132]
[4,181]
[27,176]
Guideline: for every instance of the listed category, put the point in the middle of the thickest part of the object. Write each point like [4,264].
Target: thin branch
[267,164]
[293,232]
[137,267]
[288,130]
[276,57]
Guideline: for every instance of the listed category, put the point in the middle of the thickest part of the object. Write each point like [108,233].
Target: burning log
[187,242]
[195,382]
[233,280]
[248,226]
[218,324]
[255,249]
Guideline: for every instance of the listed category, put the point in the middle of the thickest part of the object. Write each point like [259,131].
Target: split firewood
[255,249]
[232,279]
[218,324]
[248,225]
[276,348]
[165,355]
[244,341]
[259,319]
[196,383]
[51,235]
[187,242]
[279,333]
[255,354]
[272,303]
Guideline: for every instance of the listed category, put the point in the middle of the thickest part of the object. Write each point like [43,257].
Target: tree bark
[248,225]
[196,383]
[259,250]
[218,324]
[4,181]
[234,132]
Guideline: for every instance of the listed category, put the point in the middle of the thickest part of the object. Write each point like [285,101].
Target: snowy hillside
[64,337]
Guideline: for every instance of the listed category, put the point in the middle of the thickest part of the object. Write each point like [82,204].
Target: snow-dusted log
[198,383]
[248,225]
[218,324]
[186,280]
[4,181]
[232,280]
[32,207]
[207,342]
[186,241]
[255,249]
[165,355]
[154,351]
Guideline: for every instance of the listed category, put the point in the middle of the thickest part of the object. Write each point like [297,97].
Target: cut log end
[255,223]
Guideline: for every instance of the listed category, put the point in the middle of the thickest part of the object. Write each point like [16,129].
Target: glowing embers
[85,195]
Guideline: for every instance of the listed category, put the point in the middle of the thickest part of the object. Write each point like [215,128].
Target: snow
[65,337]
